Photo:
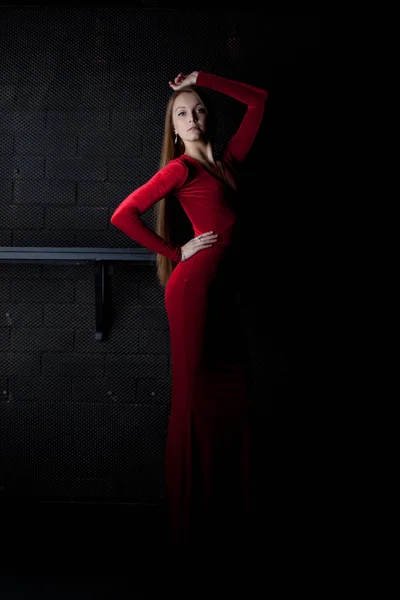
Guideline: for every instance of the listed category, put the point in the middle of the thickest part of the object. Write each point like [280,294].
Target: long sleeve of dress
[255,98]
[127,216]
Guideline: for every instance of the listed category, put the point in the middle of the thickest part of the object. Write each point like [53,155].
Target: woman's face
[189,116]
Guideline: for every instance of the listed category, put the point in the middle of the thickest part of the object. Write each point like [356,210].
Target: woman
[207,454]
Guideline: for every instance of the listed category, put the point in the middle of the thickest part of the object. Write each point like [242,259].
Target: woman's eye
[198,110]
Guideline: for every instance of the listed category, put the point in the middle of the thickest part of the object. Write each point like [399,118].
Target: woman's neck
[203,154]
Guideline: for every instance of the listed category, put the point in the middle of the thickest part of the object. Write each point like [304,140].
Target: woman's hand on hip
[182,80]
[202,241]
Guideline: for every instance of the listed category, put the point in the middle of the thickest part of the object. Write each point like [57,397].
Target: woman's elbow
[115,217]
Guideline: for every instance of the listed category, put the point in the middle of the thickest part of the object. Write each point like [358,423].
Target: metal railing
[99,257]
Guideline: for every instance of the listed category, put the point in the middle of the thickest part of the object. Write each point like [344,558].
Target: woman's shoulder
[182,164]
[178,169]
[176,163]
[180,160]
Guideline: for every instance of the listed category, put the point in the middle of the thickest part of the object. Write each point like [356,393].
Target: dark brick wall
[82,94]
[81,418]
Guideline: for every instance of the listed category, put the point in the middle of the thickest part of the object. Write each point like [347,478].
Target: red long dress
[207,452]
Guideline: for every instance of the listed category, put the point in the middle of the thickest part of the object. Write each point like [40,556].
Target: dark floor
[98,551]
[114,551]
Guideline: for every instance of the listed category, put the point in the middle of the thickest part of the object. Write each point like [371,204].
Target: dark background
[83,422]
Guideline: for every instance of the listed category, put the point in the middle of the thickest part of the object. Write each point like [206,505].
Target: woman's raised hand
[205,240]
[183,79]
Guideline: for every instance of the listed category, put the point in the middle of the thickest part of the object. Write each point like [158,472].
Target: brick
[110,143]
[121,390]
[23,217]
[102,193]
[14,167]
[143,365]
[19,364]
[51,340]
[9,62]
[125,287]
[64,271]
[154,341]
[151,293]
[20,271]
[77,217]
[43,238]
[103,239]
[7,95]
[84,291]
[5,191]
[44,192]
[39,291]
[126,119]
[40,389]
[46,143]
[67,316]
[149,436]
[79,168]
[6,142]
[4,341]
[72,364]
[5,287]
[78,121]
[5,238]
[54,95]
[3,387]
[21,314]
[121,169]
[29,123]
[108,96]
[153,390]
[120,343]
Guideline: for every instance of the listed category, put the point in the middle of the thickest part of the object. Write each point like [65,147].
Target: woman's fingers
[177,80]
[200,242]
[206,238]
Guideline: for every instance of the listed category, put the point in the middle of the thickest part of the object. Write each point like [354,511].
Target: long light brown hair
[172,223]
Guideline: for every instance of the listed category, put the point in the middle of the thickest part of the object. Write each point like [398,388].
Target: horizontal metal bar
[74,255]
